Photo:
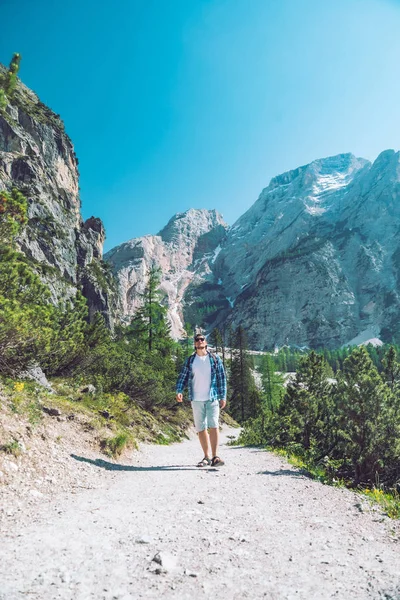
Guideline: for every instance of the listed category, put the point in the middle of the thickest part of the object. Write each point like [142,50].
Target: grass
[114,446]
[388,501]
[114,421]
[12,448]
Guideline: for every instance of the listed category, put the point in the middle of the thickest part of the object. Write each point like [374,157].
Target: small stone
[144,539]
[36,493]
[22,446]
[65,577]
[88,389]
[167,561]
[10,466]
[53,412]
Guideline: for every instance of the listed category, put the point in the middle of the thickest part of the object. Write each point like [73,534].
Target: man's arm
[221,381]
[182,381]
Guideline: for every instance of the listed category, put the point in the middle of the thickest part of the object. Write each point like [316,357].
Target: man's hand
[222,403]
[179,397]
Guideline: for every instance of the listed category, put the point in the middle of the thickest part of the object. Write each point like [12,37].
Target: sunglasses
[199,339]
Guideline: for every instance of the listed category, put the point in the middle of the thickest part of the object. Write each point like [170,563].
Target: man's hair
[200,335]
[197,335]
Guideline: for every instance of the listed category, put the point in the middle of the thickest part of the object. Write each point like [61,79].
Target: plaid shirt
[218,378]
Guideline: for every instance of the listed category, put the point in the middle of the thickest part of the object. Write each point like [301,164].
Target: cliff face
[183,250]
[38,158]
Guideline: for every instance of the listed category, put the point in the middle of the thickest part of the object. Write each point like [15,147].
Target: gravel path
[255,528]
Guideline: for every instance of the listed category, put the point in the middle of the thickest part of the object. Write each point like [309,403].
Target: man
[205,377]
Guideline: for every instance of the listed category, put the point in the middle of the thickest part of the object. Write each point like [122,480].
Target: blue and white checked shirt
[218,377]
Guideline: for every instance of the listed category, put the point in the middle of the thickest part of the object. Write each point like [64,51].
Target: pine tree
[272,383]
[242,387]
[305,414]
[13,215]
[3,99]
[150,325]
[362,401]
[391,366]
[11,79]
[215,339]
[189,330]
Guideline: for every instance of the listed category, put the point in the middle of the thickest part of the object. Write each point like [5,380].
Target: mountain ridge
[311,262]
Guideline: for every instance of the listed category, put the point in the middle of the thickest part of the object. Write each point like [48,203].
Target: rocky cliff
[184,250]
[38,158]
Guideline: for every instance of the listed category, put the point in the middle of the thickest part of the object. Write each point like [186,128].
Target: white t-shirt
[201,369]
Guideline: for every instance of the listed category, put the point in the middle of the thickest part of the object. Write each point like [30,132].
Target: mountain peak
[191,224]
[340,164]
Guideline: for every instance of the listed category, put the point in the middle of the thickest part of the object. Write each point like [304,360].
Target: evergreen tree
[272,383]
[149,324]
[3,99]
[189,330]
[304,418]
[13,215]
[391,367]
[215,340]
[243,396]
[362,406]
[11,79]
[26,315]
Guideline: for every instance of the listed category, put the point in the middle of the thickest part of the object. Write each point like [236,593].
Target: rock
[88,389]
[53,412]
[10,467]
[144,539]
[35,373]
[36,493]
[106,414]
[22,445]
[166,560]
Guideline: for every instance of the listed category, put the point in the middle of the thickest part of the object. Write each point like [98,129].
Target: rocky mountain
[38,158]
[184,250]
[314,262]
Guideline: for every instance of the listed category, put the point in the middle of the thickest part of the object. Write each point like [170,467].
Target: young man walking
[204,374]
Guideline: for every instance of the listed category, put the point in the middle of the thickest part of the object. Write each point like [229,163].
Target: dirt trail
[255,528]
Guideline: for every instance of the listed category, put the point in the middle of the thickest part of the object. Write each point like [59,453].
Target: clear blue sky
[173,104]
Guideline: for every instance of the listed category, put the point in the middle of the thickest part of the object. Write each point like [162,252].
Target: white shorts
[205,414]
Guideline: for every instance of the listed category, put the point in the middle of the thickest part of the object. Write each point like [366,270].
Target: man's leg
[200,423]
[205,442]
[214,439]
[213,427]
